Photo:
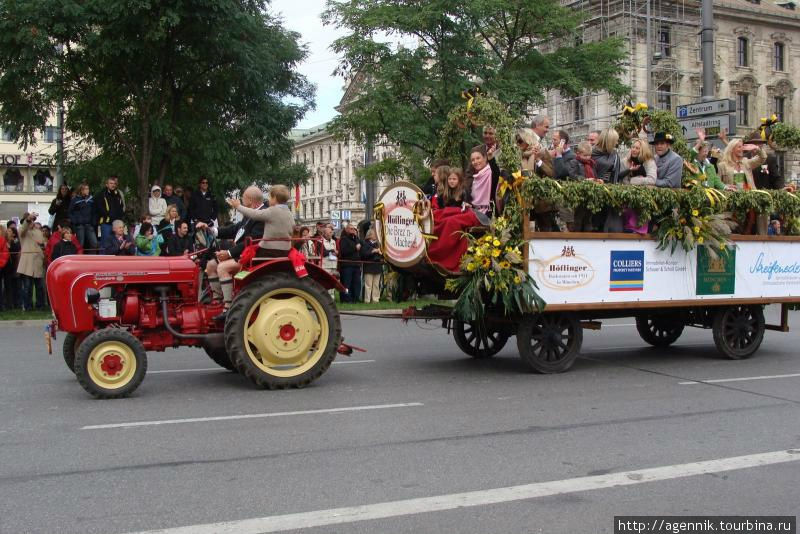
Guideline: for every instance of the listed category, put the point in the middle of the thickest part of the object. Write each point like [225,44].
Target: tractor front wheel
[283,331]
[110,363]
[71,342]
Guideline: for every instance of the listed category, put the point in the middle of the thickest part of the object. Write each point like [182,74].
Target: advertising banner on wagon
[586,271]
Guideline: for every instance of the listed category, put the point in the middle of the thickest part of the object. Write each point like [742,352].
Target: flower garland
[493,273]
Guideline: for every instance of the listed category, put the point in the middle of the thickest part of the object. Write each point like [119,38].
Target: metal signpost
[712,124]
[700,109]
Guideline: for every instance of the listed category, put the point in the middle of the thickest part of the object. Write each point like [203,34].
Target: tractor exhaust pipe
[163,297]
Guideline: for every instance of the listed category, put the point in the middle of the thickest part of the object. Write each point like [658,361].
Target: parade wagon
[582,278]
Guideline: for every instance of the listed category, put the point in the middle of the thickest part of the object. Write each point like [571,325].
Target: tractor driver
[220,271]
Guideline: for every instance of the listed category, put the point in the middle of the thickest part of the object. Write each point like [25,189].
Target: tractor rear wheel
[283,331]
[110,363]
[71,342]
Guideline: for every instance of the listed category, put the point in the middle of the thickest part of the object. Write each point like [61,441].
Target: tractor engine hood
[69,278]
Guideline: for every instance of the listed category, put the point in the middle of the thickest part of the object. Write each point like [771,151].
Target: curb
[10,323]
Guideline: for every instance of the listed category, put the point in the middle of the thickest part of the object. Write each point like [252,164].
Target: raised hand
[701,134]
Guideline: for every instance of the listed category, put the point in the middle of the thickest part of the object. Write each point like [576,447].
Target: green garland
[462,131]
[786,136]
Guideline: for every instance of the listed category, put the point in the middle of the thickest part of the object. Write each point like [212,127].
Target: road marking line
[186,370]
[742,379]
[369,512]
[253,416]
[206,369]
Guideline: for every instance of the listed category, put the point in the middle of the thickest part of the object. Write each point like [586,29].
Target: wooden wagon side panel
[582,271]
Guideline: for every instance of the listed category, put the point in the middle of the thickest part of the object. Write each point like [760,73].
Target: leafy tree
[170,87]
[516,50]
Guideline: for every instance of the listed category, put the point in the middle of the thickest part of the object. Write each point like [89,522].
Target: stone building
[334,185]
[757,43]
[29,175]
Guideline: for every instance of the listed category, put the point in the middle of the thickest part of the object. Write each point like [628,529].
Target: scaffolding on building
[674,45]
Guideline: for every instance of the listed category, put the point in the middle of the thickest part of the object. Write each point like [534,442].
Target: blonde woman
[607,162]
[639,166]
[737,170]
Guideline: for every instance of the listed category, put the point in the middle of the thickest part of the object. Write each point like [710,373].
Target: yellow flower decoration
[700,240]
[496,253]
[683,221]
[504,264]
[486,263]
[491,274]
[517,280]
[696,229]
[496,242]
[471,267]
[695,213]
[478,253]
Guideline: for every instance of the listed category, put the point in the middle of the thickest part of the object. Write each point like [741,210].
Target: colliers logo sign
[627,270]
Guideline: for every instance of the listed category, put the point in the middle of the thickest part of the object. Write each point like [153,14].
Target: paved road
[410,420]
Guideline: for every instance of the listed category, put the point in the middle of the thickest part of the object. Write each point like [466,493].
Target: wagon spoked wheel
[549,342]
[282,331]
[110,363]
[477,343]
[738,330]
[659,330]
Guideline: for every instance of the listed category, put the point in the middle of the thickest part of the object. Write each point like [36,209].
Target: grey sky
[303,16]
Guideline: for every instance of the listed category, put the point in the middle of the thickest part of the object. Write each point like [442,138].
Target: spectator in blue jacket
[82,216]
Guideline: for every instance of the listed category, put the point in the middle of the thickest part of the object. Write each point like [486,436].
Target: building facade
[334,188]
[29,175]
[757,43]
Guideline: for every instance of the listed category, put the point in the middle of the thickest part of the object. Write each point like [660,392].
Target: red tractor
[281,331]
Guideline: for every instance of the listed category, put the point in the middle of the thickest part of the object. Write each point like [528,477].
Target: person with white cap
[157,206]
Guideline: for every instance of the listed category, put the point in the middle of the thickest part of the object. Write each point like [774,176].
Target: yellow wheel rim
[111,365]
[286,332]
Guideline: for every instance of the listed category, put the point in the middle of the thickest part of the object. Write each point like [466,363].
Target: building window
[312,157]
[741,51]
[579,110]
[330,181]
[338,177]
[779,105]
[321,155]
[664,46]
[50,134]
[330,152]
[664,97]
[339,149]
[742,109]
[779,56]
[8,134]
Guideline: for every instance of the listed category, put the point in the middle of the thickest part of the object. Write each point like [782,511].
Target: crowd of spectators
[82,222]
